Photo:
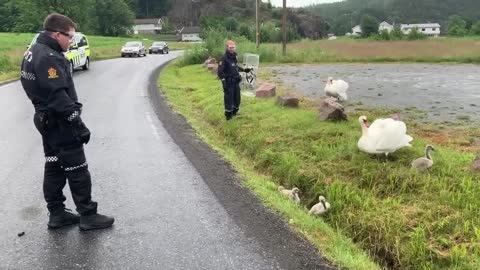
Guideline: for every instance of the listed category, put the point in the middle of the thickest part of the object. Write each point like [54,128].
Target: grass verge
[401,218]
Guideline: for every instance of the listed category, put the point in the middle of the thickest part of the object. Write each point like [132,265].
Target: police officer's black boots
[89,220]
[79,180]
[62,218]
[95,221]
[235,111]
[228,115]
[53,183]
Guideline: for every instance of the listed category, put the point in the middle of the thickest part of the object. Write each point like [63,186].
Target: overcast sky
[299,3]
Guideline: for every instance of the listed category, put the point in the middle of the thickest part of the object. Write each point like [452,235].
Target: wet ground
[435,92]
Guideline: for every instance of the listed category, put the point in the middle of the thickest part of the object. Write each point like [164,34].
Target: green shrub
[415,35]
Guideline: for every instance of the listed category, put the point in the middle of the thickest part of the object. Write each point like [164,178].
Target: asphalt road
[177,204]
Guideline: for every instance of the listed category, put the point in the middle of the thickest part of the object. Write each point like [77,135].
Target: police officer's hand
[80,131]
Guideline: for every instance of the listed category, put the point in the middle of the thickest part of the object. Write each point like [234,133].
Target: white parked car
[133,48]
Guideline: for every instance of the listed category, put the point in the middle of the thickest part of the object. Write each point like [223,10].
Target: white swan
[336,88]
[291,194]
[321,207]
[383,136]
[426,162]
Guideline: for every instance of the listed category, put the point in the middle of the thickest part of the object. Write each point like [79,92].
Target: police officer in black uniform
[47,81]
[228,72]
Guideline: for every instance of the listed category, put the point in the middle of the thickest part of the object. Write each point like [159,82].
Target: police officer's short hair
[58,23]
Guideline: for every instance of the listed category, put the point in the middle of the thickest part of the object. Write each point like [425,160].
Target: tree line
[101,17]
[342,16]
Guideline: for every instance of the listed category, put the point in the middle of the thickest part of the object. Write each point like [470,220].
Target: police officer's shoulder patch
[52,73]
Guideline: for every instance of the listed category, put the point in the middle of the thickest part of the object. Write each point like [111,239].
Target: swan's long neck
[364,129]
[427,154]
[323,203]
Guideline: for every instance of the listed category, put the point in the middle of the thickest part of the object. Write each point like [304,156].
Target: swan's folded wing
[393,136]
[341,85]
[378,125]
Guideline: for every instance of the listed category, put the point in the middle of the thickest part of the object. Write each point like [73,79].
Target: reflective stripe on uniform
[69,169]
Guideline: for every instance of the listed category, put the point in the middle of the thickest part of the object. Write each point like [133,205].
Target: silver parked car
[133,48]
[158,47]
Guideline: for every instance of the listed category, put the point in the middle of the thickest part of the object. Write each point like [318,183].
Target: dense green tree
[246,31]
[8,15]
[456,26]
[150,8]
[231,24]
[343,14]
[475,29]
[369,25]
[31,13]
[111,17]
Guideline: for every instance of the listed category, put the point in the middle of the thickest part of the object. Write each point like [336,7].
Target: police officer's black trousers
[231,97]
[65,159]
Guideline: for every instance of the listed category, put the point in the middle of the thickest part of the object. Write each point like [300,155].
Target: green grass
[13,45]
[401,218]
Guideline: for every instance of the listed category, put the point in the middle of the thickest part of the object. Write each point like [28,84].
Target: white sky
[299,3]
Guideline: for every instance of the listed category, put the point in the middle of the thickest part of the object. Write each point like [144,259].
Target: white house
[147,26]
[357,30]
[191,33]
[428,29]
[385,26]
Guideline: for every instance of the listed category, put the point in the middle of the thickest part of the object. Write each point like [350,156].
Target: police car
[78,54]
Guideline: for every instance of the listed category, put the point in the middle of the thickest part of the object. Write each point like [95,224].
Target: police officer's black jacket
[228,66]
[46,78]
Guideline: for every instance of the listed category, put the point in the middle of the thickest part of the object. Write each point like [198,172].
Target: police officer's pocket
[40,119]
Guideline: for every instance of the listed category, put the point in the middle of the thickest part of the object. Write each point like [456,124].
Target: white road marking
[152,126]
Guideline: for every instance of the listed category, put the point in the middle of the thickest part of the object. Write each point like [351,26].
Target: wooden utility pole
[284,27]
[257,27]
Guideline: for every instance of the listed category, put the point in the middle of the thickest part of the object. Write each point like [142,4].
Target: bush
[457,26]
[231,24]
[215,41]
[384,35]
[270,33]
[415,35]
[196,55]
[247,32]
[475,29]
[396,33]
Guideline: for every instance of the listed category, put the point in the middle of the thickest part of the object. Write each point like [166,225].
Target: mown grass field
[401,218]
[13,45]
[454,50]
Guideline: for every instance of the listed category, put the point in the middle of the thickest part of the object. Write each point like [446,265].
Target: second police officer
[228,72]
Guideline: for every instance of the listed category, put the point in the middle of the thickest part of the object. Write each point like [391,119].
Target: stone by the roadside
[287,101]
[330,109]
[210,60]
[266,90]
[476,164]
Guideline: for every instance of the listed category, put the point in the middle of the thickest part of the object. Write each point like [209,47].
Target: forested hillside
[115,17]
[342,15]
